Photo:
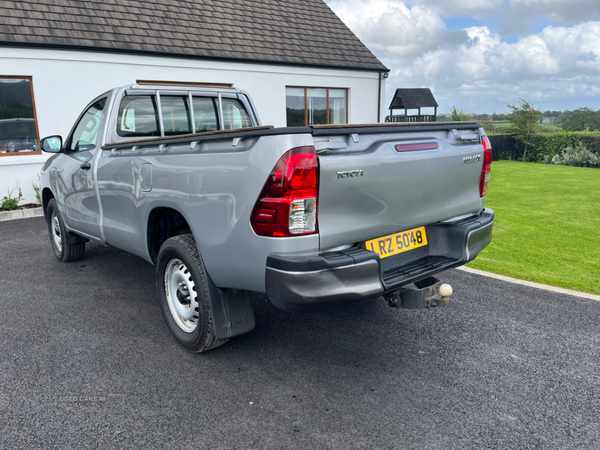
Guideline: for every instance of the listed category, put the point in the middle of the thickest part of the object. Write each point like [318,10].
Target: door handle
[86,165]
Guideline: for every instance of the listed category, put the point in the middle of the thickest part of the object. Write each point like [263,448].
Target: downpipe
[382,77]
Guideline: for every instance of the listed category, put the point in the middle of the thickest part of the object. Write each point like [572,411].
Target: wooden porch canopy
[416,98]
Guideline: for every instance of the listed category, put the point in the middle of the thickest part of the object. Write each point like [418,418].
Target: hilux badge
[471,159]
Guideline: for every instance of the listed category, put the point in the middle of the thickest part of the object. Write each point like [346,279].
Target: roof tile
[304,32]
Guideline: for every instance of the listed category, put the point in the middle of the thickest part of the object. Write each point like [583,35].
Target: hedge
[553,144]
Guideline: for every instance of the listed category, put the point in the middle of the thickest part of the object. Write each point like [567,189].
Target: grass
[547,226]
[542,127]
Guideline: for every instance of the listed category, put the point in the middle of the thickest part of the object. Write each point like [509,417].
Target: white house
[296,58]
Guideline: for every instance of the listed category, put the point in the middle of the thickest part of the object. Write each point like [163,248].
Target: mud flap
[232,312]
[426,294]
[72,238]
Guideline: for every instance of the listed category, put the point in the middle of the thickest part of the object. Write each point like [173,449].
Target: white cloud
[552,3]
[578,47]
[529,56]
[475,67]
[516,16]
[562,12]
[392,27]
[465,5]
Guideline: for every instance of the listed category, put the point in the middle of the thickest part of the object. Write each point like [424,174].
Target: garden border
[21,213]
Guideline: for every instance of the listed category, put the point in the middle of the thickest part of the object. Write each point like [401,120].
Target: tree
[523,123]
[582,119]
[482,117]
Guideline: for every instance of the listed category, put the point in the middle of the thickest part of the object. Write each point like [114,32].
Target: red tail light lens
[416,147]
[287,205]
[487,165]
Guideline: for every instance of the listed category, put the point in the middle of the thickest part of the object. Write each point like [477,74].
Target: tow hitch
[427,293]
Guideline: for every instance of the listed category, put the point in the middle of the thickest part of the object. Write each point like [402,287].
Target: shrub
[8,202]
[459,114]
[36,189]
[578,156]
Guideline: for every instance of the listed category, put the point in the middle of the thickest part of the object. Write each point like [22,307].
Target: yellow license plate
[395,244]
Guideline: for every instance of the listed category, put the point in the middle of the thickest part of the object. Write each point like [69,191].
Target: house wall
[65,81]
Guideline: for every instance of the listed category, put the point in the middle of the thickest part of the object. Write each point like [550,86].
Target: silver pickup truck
[189,180]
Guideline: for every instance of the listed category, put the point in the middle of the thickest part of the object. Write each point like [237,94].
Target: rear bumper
[358,274]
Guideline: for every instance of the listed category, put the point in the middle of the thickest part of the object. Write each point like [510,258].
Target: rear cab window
[234,115]
[175,115]
[143,116]
[206,114]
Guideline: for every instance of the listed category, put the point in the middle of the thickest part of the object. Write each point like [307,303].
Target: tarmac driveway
[87,361]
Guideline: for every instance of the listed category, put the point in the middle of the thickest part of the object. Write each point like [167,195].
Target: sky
[479,55]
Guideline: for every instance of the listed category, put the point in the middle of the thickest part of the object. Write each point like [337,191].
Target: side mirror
[52,144]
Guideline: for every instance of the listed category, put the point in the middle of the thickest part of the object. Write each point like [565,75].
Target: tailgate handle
[465,137]
[330,145]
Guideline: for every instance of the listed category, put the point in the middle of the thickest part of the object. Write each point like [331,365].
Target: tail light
[287,205]
[487,164]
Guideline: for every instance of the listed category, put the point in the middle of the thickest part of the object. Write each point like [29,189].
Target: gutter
[81,48]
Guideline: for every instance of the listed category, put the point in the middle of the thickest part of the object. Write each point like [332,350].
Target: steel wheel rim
[181,294]
[56,234]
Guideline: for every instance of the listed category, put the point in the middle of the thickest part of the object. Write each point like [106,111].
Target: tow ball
[427,293]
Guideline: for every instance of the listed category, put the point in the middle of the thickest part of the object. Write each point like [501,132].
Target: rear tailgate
[369,188]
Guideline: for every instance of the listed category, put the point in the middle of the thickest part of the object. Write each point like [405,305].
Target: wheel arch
[47,195]
[164,223]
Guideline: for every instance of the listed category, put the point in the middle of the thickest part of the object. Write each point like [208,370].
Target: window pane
[317,106]
[138,116]
[86,132]
[337,106]
[294,105]
[17,123]
[234,115]
[205,114]
[176,115]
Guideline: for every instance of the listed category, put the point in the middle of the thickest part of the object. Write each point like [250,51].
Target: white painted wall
[64,82]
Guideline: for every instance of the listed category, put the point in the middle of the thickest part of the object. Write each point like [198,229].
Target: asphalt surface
[86,361]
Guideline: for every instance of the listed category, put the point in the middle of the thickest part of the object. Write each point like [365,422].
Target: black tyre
[59,236]
[184,296]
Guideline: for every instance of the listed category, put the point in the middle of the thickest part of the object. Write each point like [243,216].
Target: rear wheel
[184,295]
[59,236]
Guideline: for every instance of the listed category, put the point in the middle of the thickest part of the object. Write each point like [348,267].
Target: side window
[176,115]
[312,106]
[138,116]
[206,114]
[234,115]
[18,129]
[86,132]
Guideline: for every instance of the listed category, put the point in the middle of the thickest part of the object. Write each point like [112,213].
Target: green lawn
[547,225]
